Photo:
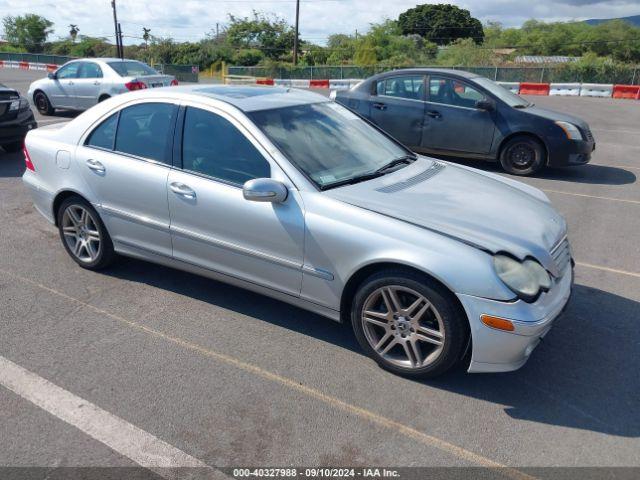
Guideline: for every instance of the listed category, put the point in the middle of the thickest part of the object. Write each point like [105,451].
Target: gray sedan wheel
[43,104]
[83,234]
[408,324]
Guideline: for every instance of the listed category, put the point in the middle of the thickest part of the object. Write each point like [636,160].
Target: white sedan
[80,84]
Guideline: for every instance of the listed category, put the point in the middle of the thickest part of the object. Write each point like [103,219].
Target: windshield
[502,93]
[327,142]
[132,69]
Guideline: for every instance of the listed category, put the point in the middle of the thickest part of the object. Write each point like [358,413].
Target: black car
[456,113]
[16,119]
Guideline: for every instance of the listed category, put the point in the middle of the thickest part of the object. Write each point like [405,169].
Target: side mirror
[51,76]
[486,104]
[264,190]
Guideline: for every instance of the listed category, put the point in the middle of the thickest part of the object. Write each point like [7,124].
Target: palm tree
[73,32]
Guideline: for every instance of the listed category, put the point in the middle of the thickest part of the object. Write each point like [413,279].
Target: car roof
[424,71]
[247,98]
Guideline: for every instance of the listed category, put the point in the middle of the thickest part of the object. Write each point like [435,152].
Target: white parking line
[611,199]
[608,269]
[119,435]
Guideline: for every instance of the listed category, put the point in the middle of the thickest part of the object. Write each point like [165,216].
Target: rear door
[126,162]
[397,106]
[88,84]
[61,90]
[452,121]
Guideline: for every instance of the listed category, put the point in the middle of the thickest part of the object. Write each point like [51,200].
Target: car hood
[480,209]
[556,116]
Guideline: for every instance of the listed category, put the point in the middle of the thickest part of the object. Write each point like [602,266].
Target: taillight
[27,159]
[174,83]
[135,85]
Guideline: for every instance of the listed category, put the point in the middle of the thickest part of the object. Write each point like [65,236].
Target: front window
[453,92]
[130,68]
[211,145]
[327,142]
[502,93]
[68,71]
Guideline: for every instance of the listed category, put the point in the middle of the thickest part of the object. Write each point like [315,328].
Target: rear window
[132,69]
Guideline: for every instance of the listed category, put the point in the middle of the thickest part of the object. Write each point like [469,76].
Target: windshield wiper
[350,181]
[406,159]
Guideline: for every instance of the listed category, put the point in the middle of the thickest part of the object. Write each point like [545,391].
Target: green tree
[27,31]
[441,23]
[270,34]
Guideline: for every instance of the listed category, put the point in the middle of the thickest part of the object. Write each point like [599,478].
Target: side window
[402,87]
[90,70]
[105,134]
[453,92]
[213,146]
[68,71]
[145,130]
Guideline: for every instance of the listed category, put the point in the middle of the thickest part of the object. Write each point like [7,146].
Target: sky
[191,19]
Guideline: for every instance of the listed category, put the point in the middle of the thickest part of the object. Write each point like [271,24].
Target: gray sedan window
[144,130]
[105,134]
[68,71]
[213,146]
[90,70]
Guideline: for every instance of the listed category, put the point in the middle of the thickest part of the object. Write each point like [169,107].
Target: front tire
[523,155]
[83,235]
[408,324]
[43,105]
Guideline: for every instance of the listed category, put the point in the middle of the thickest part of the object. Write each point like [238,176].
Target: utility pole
[121,44]
[295,40]
[217,31]
[119,52]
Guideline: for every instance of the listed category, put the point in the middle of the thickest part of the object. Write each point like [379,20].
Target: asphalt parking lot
[222,377]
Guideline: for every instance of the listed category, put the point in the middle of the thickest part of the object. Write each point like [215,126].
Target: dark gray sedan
[456,113]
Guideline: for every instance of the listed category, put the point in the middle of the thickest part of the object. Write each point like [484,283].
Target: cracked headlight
[526,279]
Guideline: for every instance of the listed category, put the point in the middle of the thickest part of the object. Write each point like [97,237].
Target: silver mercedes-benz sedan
[80,84]
[286,193]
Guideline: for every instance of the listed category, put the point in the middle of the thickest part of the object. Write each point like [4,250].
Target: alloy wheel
[403,327]
[81,233]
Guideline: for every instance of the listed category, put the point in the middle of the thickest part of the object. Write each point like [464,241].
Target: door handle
[434,114]
[96,83]
[95,165]
[182,189]
[379,106]
[70,83]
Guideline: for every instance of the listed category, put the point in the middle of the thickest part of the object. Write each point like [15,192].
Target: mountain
[633,20]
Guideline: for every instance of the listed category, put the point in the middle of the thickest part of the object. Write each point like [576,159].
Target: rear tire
[43,105]
[523,155]
[103,98]
[408,324]
[83,235]
[12,147]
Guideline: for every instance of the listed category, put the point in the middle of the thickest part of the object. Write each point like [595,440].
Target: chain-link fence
[627,75]
[34,58]
[183,73]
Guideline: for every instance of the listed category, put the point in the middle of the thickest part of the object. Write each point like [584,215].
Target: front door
[213,226]
[126,162]
[61,89]
[397,107]
[452,121]
[87,85]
